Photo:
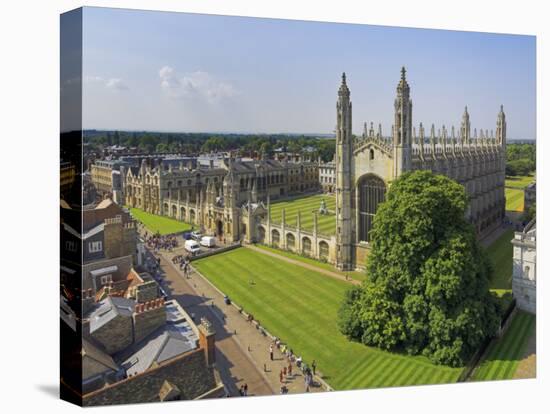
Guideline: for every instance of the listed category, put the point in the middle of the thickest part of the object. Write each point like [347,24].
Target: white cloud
[111,83]
[116,83]
[195,85]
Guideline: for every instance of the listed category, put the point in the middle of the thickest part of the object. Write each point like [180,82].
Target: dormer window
[95,246]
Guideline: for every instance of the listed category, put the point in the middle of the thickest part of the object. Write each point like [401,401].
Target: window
[106,279]
[371,154]
[70,245]
[94,247]
[372,191]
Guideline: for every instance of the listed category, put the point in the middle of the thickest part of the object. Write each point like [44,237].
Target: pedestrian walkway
[250,338]
[302,264]
[234,365]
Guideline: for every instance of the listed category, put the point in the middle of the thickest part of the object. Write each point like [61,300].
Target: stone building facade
[524,273]
[211,198]
[366,165]
[327,176]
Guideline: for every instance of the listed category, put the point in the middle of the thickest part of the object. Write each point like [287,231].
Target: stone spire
[343,91]
[343,157]
[402,133]
[465,126]
[501,127]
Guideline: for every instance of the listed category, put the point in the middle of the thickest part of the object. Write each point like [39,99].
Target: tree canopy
[428,285]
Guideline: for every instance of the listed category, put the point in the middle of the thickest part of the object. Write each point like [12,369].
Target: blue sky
[165,71]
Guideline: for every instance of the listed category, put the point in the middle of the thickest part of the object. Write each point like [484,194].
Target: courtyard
[306,206]
[300,306]
[159,224]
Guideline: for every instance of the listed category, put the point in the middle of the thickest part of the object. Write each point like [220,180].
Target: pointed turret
[501,127]
[465,126]
[343,157]
[402,131]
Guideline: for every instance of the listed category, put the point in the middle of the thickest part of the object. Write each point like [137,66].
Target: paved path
[305,265]
[250,363]
[234,365]
[527,367]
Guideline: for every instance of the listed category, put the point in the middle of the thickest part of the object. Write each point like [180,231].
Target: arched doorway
[219,229]
[290,241]
[372,191]
[261,234]
[323,249]
[275,237]
[306,245]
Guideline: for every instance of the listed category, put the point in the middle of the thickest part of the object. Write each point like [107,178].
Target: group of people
[157,242]
[183,262]
[243,391]
[286,372]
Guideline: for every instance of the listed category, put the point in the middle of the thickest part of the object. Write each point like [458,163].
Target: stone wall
[115,335]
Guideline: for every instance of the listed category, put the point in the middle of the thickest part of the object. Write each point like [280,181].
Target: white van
[208,241]
[192,246]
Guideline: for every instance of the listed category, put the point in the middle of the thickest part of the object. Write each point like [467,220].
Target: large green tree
[428,285]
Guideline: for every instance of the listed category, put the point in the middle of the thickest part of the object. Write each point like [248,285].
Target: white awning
[104,271]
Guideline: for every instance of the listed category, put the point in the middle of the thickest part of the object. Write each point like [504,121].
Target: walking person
[313,366]
[281,377]
[245,389]
[290,369]
[271,352]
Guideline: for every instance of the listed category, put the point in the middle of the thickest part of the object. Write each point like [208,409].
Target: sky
[162,71]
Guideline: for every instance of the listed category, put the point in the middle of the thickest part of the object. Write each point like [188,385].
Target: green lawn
[501,254]
[327,266]
[520,181]
[326,224]
[514,191]
[300,306]
[514,199]
[161,224]
[504,354]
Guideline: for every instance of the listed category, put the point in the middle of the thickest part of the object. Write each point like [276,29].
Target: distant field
[327,266]
[504,354]
[160,224]
[514,199]
[300,306]
[326,224]
[514,191]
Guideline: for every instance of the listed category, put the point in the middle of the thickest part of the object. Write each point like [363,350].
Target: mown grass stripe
[300,306]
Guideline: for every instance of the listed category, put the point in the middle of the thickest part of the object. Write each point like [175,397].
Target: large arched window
[372,191]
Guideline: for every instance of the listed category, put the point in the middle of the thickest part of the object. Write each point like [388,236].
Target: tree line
[521,159]
[251,145]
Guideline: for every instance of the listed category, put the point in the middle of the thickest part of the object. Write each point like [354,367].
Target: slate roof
[108,309]
[163,344]
[92,351]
